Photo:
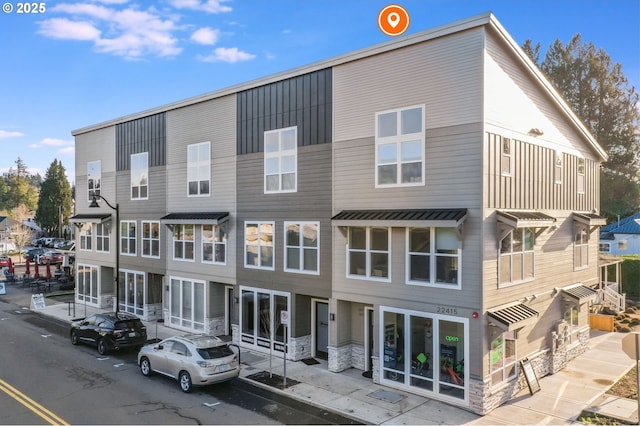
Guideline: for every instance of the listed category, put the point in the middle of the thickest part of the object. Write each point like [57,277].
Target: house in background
[621,237]
[424,210]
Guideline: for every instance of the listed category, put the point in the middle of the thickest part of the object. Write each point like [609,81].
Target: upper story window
[400,149]
[150,239]
[368,252]
[199,169]
[557,169]
[580,177]
[86,237]
[281,160]
[140,176]
[516,261]
[183,242]
[506,157]
[128,237]
[94,176]
[259,245]
[302,245]
[433,256]
[103,236]
[581,248]
[214,244]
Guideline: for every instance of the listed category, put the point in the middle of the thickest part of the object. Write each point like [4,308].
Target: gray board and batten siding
[146,134]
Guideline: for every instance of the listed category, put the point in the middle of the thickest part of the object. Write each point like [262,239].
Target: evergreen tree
[55,203]
[599,93]
[20,191]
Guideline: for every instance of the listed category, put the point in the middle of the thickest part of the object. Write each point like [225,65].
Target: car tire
[185,382]
[102,347]
[145,367]
[74,338]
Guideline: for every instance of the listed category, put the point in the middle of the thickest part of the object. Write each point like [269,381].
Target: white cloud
[230,55]
[5,134]
[207,36]
[63,28]
[209,6]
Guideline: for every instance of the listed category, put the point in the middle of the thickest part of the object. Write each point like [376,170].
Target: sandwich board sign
[38,301]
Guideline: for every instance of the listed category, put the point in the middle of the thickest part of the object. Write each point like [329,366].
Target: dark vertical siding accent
[147,134]
[304,101]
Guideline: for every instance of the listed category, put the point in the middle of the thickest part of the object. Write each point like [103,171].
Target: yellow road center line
[31,404]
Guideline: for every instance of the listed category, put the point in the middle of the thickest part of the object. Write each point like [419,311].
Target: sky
[71,64]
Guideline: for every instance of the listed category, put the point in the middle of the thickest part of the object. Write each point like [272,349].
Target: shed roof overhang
[89,218]
[588,221]
[214,218]
[514,219]
[512,317]
[579,294]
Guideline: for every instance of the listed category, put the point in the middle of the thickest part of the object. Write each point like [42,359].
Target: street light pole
[94,203]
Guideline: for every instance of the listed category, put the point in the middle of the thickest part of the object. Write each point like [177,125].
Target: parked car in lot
[193,360]
[53,257]
[108,331]
[33,254]
[4,261]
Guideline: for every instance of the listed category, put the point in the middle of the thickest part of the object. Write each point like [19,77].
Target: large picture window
[258,245]
[87,284]
[400,147]
[183,242]
[199,169]
[516,262]
[128,233]
[94,178]
[133,284]
[214,244]
[140,176]
[187,304]
[280,160]
[368,252]
[151,239]
[302,245]
[433,256]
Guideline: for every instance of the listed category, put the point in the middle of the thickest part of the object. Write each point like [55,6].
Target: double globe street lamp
[94,204]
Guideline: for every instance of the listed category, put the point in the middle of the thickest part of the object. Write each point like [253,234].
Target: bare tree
[19,232]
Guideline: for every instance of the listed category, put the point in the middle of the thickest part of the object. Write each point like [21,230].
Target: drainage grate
[386,396]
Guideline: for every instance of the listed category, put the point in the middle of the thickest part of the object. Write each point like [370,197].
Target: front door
[322,330]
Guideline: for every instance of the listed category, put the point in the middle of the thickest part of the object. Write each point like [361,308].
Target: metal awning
[525,219]
[213,218]
[579,294]
[446,218]
[512,317]
[90,218]
[589,219]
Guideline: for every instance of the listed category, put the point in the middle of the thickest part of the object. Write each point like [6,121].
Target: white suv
[193,360]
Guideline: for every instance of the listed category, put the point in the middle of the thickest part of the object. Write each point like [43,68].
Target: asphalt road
[46,380]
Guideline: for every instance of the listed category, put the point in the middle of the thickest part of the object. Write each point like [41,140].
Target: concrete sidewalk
[562,398]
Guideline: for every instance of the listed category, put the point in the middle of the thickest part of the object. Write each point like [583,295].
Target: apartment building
[424,210]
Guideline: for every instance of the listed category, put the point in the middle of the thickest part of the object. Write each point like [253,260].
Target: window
[150,239]
[187,304]
[94,176]
[87,283]
[258,245]
[581,248]
[140,176]
[259,318]
[506,157]
[503,357]
[516,261]
[214,244]
[557,171]
[183,242]
[580,177]
[198,169]
[605,248]
[368,252]
[132,292]
[433,256]
[85,237]
[280,160]
[128,237]
[301,252]
[400,147]
[572,319]
[103,236]
[622,245]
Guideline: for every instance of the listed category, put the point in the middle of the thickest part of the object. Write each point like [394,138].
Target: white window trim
[510,255]
[398,139]
[128,238]
[368,251]
[580,176]
[197,164]
[213,243]
[143,172]
[143,239]
[107,226]
[584,245]
[194,300]
[279,155]
[301,247]
[95,178]
[558,167]
[608,247]
[273,245]
[433,262]
[82,235]
[508,156]
[173,245]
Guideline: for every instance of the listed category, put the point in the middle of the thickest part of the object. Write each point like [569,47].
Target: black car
[33,254]
[109,331]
